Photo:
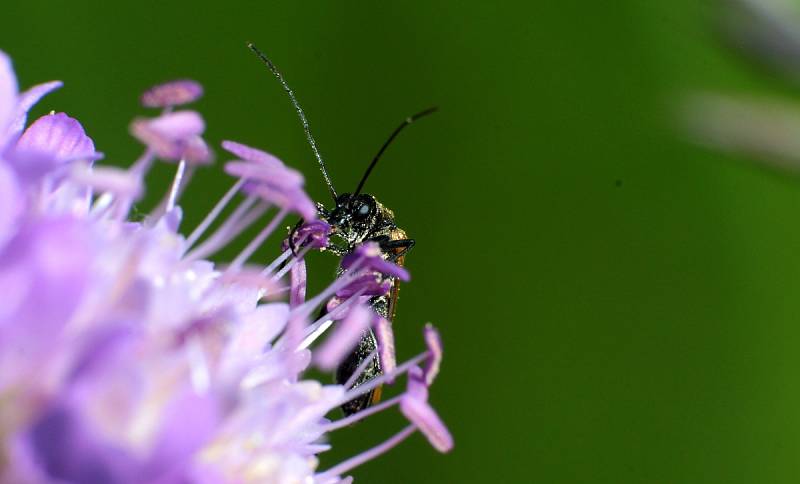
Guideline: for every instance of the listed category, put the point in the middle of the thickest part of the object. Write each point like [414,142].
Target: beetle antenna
[300,113]
[394,134]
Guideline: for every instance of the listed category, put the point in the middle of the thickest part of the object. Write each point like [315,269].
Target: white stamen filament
[311,328]
[291,263]
[258,240]
[214,213]
[143,164]
[318,331]
[183,175]
[370,385]
[271,267]
[176,186]
[237,222]
[232,219]
[101,204]
[371,410]
[317,448]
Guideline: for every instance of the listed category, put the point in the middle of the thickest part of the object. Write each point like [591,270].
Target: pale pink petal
[8,93]
[25,102]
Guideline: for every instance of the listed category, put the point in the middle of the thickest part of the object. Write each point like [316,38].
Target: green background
[617,304]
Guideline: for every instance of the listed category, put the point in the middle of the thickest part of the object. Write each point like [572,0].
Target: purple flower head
[128,356]
[172,93]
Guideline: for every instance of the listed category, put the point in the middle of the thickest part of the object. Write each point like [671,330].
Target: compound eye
[363,210]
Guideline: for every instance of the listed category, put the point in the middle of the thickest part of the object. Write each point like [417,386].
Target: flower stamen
[258,240]
[214,213]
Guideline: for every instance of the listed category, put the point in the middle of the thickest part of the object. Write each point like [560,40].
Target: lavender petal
[434,343]
[25,102]
[248,153]
[11,203]
[172,93]
[58,136]
[424,417]
[8,94]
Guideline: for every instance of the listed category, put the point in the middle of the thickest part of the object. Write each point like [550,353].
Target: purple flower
[126,356]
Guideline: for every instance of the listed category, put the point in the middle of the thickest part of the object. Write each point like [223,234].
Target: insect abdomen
[366,346]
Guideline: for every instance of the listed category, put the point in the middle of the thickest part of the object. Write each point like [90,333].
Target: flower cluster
[128,357]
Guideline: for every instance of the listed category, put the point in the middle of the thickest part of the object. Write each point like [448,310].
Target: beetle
[356,218]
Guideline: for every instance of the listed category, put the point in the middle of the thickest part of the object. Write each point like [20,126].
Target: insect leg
[291,236]
[392,245]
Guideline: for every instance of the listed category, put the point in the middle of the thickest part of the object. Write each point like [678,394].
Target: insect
[356,218]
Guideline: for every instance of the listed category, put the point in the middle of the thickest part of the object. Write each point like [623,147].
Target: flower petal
[173,136]
[172,93]
[434,343]
[108,179]
[424,417]
[298,280]
[278,176]
[197,151]
[294,199]
[67,451]
[8,93]
[189,422]
[11,202]
[59,136]
[25,102]
[251,336]
[248,153]
[369,284]
[369,256]
[385,337]
[314,234]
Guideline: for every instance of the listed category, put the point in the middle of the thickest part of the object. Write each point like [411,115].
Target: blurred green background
[617,304]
